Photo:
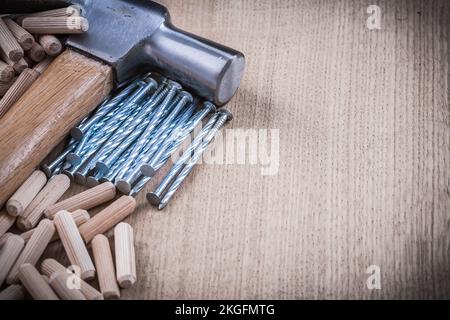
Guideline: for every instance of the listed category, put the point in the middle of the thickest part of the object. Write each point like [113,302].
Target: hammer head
[137,35]
[118,33]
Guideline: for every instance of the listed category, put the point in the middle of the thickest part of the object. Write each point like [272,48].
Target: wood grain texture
[56,25]
[69,89]
[79,216]
[48,196]
[23,37]
[13,292]
[104,264]
[73,244]
[20,86]
[33,250]
[86,200]
[108,217]
[25,194]
[6,222]
[8,255]
[36,285]
[364,160]
[71,11]
[51,266]
[36,53]
[58,281]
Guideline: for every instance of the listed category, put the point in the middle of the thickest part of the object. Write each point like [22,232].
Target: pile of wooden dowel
[27,46]
[36,210]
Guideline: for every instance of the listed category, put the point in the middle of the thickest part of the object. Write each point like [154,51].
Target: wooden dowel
[79,216]
[5,237]
[29,61]
[85,200]
[33,249]
[125,256]
[35,284]
[59,281]
[4,86]
[50,266]
[56,25]
[13,292]
[47,279]
[20,200]
[48,196]
[9,44]
[8,255]
[43,65]
[105,267]
[36,53]
[23,37]
[73,244]
[20,66]
[71,11]
[108,218]
[23,82]
[6,72]
[51,44]
[6,222]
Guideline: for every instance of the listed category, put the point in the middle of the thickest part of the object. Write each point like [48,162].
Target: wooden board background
[364,172]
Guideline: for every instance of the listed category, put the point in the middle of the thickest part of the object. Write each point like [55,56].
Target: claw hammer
[124,38]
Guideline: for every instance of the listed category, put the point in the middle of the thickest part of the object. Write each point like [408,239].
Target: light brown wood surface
[364,160]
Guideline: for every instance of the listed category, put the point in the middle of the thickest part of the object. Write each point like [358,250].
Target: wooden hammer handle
[70,88]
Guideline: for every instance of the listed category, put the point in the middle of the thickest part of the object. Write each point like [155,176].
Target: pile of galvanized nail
[134,133]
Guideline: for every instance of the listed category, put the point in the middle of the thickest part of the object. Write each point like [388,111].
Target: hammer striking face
[132,35]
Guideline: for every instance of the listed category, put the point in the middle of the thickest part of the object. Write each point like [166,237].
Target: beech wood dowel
[5,237]
[6,222]
[4,86]
[59,281]
[73,244]
[48,196]
[23,37]
[105,267]
[51,44]
[85,200]
[20,66]
[51,266]
[36,53]
[35,284]
[71,11]
[79,216]
[23,82]
[56,25]
[29,61]
[108,218]
[7,72]
[8,255]
[125,256]
[47,279]
[20,200]
[33,249]
[9,44]
[13,292]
